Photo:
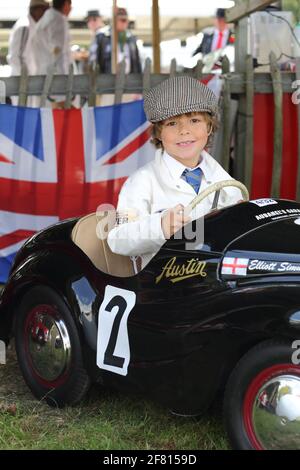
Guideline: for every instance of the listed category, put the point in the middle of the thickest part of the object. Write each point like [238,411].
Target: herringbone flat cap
[178,95]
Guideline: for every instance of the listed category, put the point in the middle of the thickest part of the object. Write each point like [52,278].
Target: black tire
[48,348]
[251,422]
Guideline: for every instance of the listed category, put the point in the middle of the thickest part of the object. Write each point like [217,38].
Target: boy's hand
[173,220]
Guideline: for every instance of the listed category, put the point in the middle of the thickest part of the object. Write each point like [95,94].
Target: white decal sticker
[263,202]
[274,266]
[235,266]
[280,213]
[113,351]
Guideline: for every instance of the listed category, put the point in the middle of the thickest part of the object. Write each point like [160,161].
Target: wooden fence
[237,88]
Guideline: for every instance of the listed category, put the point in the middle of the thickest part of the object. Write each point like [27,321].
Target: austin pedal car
[220,318]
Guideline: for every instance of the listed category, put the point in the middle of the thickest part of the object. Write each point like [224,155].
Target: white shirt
[176,168]
[124,55]
[51,43]
[20,46]
[154,188]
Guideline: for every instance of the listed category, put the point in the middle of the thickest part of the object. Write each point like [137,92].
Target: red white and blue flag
[235,266]
[56,164]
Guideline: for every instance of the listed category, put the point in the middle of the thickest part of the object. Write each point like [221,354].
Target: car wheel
[262,399]
[48,348]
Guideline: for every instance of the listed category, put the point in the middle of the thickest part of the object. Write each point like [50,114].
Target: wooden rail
[241,85]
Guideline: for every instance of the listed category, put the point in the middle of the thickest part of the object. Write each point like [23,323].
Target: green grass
[106,420]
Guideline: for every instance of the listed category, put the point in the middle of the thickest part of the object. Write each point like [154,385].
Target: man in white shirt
[20,40]
[51,41]
[183,112]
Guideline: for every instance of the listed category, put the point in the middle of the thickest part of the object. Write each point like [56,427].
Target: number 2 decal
[113,351]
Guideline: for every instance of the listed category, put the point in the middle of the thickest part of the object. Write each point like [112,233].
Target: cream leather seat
[89,234]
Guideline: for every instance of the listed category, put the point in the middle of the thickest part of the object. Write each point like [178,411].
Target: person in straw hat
[183,113]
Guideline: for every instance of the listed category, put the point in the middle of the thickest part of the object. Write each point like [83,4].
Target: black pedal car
[221,318]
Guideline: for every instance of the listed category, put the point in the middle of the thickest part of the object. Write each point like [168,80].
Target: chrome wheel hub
[49,345]
[276,413]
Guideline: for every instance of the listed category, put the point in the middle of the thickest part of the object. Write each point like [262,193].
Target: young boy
[184,116]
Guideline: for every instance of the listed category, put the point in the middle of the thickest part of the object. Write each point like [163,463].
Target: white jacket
[20,46]
[51,43]
[151,190]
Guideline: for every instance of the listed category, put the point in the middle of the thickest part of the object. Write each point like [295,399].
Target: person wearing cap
[183,113]
[20,40]
[217,37]
[95,25]
[127,46]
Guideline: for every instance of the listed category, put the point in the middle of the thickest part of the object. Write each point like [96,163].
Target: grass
[104,421]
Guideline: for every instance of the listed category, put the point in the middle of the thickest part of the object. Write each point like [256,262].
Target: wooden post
[2,92]
[173,68]
[120,82]
[225,65]
[249,121]
[155,36]
[23,86]
[47,86]
[93,73]
[147,75]
[226,118]
[278,131]
[298,116]
[114,39]
[240,135]
[198,70]
[69,91]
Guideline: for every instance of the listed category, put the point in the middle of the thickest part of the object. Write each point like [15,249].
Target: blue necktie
[193,177]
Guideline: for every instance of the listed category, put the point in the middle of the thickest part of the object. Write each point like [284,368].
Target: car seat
[90,235]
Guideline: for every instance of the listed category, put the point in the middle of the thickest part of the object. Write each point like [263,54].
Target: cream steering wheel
[217,187]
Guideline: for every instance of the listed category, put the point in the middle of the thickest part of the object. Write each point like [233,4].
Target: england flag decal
[235,266]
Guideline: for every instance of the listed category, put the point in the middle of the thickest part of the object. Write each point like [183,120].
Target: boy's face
[184,137]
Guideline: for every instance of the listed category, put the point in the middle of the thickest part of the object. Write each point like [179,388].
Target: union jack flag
[56,164]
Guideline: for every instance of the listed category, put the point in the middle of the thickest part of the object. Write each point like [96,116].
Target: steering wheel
[216,187]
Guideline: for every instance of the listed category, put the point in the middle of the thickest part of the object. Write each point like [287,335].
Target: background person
[217,37]
[20,40]
[127,46]
[127,49]
[95,24]
[51,41]
[81,56]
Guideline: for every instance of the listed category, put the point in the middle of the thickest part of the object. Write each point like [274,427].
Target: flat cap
[178,95]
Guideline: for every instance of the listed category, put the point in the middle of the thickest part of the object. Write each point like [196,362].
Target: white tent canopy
[12,9]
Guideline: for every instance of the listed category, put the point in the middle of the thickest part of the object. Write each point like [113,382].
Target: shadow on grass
[105,420]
